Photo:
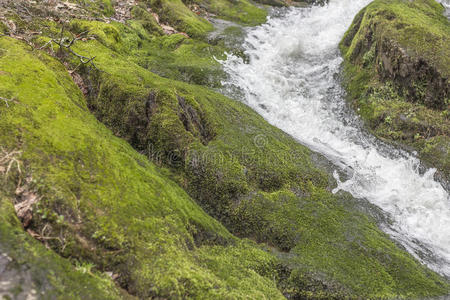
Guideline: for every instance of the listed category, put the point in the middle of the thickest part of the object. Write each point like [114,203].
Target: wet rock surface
[15,280]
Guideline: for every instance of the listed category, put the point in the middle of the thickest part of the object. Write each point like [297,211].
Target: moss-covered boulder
[397,70]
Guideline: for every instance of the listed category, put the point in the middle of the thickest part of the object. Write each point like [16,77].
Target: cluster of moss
[40,272]
[184,193]
[106,203]
[178,14]
[98,7]
[397,72]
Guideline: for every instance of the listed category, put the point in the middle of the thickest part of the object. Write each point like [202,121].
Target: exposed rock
[415,77]
[16,280]
[193,121]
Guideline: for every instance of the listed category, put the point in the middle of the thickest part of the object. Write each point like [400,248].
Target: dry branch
[7,160]
[66,43]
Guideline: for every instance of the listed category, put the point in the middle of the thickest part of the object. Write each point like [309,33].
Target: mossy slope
[255,179]
[397,72]
[106,203]
[188,16]
[29,269]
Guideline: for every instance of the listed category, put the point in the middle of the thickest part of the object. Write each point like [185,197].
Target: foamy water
[291,79]
[446,4]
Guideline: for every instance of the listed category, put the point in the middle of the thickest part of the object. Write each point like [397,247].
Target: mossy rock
[178,15]
[191,16]
[99,8]
[108,205]
[147,20]
[243,12]
[397,72]
[172,56]
[28,269]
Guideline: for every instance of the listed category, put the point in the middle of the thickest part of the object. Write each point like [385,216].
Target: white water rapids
[291,79]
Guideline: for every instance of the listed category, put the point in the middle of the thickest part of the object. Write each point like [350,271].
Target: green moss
[241,11]
[3,28]
[228,261]
[256,180]
[108,8]
[176,57]
[179,14]
[100,8]
[324,238]
[435,147]
[175,13]
[147,20]
[172,56]
[418,26]
[33,267]
[120,211]
[400,104]
[107,34]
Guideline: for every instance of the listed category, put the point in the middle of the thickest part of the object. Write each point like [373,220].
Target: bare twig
[27,11]
[66,43]
[21,5]
[6,100]
[7,160]
[84,60]
[41,237]
[46,44]
[61,34]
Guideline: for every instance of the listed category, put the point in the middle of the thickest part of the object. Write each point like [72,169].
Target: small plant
[85,268]
[417,136]
[388,120]
[60,219]
[369,56]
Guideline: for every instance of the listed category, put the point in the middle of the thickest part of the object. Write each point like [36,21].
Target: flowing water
[446,5]
[292,80]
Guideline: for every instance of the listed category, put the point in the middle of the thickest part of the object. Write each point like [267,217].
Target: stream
[292,80]
[446,5]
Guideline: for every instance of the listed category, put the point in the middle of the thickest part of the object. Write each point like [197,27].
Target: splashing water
[291,80]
